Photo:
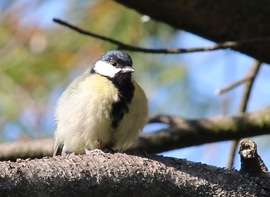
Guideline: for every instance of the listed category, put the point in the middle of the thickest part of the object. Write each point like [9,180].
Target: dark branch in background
[222,45]
[185,133]
[243,106]
[181,133]
[207,19]
[26,149]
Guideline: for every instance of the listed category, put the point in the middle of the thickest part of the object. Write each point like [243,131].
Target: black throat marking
[125,92]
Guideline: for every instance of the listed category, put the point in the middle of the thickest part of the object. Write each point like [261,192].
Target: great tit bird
[104,108]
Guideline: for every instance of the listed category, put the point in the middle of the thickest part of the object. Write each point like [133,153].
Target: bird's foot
[90,152]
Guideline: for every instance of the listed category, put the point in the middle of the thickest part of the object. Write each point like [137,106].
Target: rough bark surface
[105,174]
[218,21]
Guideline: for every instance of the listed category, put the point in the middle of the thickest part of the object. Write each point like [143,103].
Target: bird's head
[114,64]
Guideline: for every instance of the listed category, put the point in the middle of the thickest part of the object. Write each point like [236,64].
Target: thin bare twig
[222,45]
[233,85]
[243,106]
[246,94]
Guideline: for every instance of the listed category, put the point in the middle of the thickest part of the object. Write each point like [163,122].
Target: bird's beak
[127,69]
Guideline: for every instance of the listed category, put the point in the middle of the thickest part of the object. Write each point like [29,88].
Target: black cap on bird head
[121,57]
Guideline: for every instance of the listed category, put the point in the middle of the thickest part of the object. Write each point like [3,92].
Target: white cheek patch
[106,69]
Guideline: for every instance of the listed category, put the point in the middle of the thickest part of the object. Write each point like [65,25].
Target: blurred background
[39,58]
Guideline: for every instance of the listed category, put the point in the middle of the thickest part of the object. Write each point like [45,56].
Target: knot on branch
[251,161]
[252,165]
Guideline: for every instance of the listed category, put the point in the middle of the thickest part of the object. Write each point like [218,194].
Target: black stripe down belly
[125,93]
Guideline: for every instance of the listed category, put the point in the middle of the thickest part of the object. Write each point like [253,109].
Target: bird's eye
[114,63]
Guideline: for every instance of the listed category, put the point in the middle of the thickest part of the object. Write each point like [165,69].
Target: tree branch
[185,133]
[181,133]
[108,174]
[243,20]
[223,45]
[26,149]
[249,84]
[232,85]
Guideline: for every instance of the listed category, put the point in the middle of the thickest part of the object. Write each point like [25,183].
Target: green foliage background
[39,59]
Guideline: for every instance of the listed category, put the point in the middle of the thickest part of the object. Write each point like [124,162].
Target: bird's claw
[90,152]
